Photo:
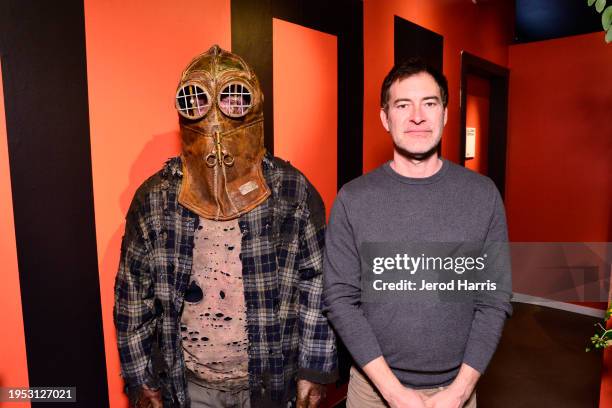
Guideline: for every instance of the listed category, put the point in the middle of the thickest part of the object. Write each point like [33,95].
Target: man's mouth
[424,132]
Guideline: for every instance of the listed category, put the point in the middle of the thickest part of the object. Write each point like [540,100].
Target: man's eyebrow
[434,97]
[402,100]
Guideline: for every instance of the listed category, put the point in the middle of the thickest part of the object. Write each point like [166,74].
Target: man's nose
[417,115]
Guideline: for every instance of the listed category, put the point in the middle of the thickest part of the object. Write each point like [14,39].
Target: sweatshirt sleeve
[342,287]
[491,308]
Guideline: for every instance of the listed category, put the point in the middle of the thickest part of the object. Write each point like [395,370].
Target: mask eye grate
[192,101]
[235,100]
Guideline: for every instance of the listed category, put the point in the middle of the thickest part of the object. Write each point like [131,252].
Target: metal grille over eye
[235,100]
[192,101]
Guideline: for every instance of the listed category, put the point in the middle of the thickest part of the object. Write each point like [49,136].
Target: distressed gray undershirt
[213,324]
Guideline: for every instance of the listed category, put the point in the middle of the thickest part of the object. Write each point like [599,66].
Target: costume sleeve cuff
[132,390]
[318,377]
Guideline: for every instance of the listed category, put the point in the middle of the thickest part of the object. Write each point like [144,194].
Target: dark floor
[541,362]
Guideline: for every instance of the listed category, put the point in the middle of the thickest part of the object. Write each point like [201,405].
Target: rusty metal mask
[220,106]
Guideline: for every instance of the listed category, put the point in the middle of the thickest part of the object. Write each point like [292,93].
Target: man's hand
[447,398]
[405,398]
[396,395]
[148,398]
[458,392]
[309,394]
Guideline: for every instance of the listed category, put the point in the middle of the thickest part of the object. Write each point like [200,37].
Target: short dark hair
[408,68]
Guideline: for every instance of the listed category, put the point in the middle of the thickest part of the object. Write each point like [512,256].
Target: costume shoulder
[167,178]
[293,186]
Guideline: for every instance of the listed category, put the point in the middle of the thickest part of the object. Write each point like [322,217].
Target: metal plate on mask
[246,188]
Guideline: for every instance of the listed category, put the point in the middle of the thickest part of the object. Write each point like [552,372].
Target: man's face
[415,116]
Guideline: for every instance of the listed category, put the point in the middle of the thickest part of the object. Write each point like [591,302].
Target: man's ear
[445,115]
[384,120]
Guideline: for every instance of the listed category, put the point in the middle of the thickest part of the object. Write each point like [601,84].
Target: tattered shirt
[282,250]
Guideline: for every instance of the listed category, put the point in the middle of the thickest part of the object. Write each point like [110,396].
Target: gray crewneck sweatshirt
[424,343]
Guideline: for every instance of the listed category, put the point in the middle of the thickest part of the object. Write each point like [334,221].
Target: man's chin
[419,155]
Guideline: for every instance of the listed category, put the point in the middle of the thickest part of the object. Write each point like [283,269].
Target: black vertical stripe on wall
[412,40]
[47,120]
[252,39]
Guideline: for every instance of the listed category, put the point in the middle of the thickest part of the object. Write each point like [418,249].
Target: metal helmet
[220,106]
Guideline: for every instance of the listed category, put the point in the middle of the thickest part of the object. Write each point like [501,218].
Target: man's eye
[430,104]
[401,106]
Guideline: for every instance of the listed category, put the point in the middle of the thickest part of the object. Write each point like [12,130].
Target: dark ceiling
[538,20]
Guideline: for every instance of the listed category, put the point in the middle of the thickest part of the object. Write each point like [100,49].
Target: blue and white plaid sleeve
[317,355]
[134,307]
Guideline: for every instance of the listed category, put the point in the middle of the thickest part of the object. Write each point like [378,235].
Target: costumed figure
[218,294]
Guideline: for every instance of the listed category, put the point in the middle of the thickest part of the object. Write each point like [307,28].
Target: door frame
[498,77]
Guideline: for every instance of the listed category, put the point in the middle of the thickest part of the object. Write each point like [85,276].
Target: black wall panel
[412,40]
[42,45]
[252,39]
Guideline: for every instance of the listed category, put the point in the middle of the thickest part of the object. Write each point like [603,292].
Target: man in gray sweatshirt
[415,353]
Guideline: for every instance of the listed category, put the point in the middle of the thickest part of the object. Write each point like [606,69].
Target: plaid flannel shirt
[282,249]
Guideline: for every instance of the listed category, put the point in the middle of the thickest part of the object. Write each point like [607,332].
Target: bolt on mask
[220,105]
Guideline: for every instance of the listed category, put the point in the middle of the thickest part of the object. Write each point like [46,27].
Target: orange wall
[306,103]
[559,185]
[477,116]
[13,361]
[559,179]
[136,51]
[484,30]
